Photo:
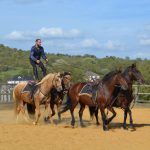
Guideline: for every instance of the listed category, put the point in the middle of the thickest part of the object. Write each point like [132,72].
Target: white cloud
[90,43]
[45,33]
[145,42]
[142,55]
[57,32]
[17,36]
[113,45]
[144,36]
[60,39]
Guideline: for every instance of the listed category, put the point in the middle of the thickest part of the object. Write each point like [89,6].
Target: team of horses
[113,90]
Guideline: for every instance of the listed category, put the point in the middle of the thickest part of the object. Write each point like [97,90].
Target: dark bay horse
[41,95]
[123,98]
[105,90]
[57,97]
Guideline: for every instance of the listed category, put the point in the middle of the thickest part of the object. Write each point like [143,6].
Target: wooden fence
[137,93]
[6,93]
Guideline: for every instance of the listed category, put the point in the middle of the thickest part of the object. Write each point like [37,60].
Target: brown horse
[41,95]
[123,98]
[105,89]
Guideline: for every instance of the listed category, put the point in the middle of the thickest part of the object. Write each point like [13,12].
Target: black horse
[122,98]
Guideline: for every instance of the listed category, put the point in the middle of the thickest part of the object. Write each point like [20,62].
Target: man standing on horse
[37,51]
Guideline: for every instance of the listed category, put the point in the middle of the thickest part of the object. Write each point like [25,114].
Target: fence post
[136,93]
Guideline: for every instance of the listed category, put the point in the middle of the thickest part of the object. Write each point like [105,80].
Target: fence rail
[138,93]
[6,91]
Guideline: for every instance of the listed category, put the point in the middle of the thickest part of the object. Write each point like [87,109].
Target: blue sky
[102,28]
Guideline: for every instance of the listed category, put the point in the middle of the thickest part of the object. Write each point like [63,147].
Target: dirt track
[26,136]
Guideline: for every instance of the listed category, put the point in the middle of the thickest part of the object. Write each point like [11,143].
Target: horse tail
[92,110]
[31,110]
[16,102]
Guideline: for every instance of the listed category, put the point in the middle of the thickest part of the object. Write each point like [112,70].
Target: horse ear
[67,73]
[62,74]
[133,65]
[120,69]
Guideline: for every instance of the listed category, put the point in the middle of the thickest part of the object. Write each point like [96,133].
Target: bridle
[54,84]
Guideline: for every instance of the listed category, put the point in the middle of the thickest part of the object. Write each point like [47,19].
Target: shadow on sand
[136,126]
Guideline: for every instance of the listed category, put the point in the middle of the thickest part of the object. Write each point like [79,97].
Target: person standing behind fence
[37,51]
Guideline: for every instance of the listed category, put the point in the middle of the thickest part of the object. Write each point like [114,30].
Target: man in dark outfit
[37,51]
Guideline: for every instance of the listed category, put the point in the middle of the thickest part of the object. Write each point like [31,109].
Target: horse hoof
[82,125]
[106,129]
[132,128]
[34,123]
[45,119]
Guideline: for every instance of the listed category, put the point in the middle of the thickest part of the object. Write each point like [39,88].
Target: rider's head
[38,42]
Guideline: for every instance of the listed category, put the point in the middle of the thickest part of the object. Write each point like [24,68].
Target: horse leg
[131,120]
[103,119]
[51,106]
[82,107]
[58,110]
[63,111]
[96,116]
[125,118]
[18,109]
[46,106]
[38,113]
[72,113]
[51,113]
[24,114]
[112,117]
[73,118]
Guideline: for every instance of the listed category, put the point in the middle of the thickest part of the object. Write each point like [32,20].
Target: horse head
[135,74]
[66,78]
[57,82]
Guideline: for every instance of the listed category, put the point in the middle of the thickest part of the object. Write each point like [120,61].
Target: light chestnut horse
[42,94]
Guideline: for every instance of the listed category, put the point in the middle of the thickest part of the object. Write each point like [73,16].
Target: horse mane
[45,78]
[125,72]
[110,75]
[129,67]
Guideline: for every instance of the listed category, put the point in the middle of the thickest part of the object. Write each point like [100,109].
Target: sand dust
[25,136]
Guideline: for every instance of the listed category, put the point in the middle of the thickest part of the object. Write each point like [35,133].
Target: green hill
[16,62]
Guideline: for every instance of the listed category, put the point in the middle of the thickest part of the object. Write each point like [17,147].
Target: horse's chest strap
[44,99]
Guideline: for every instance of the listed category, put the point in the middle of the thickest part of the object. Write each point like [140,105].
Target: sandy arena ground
[25,136]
